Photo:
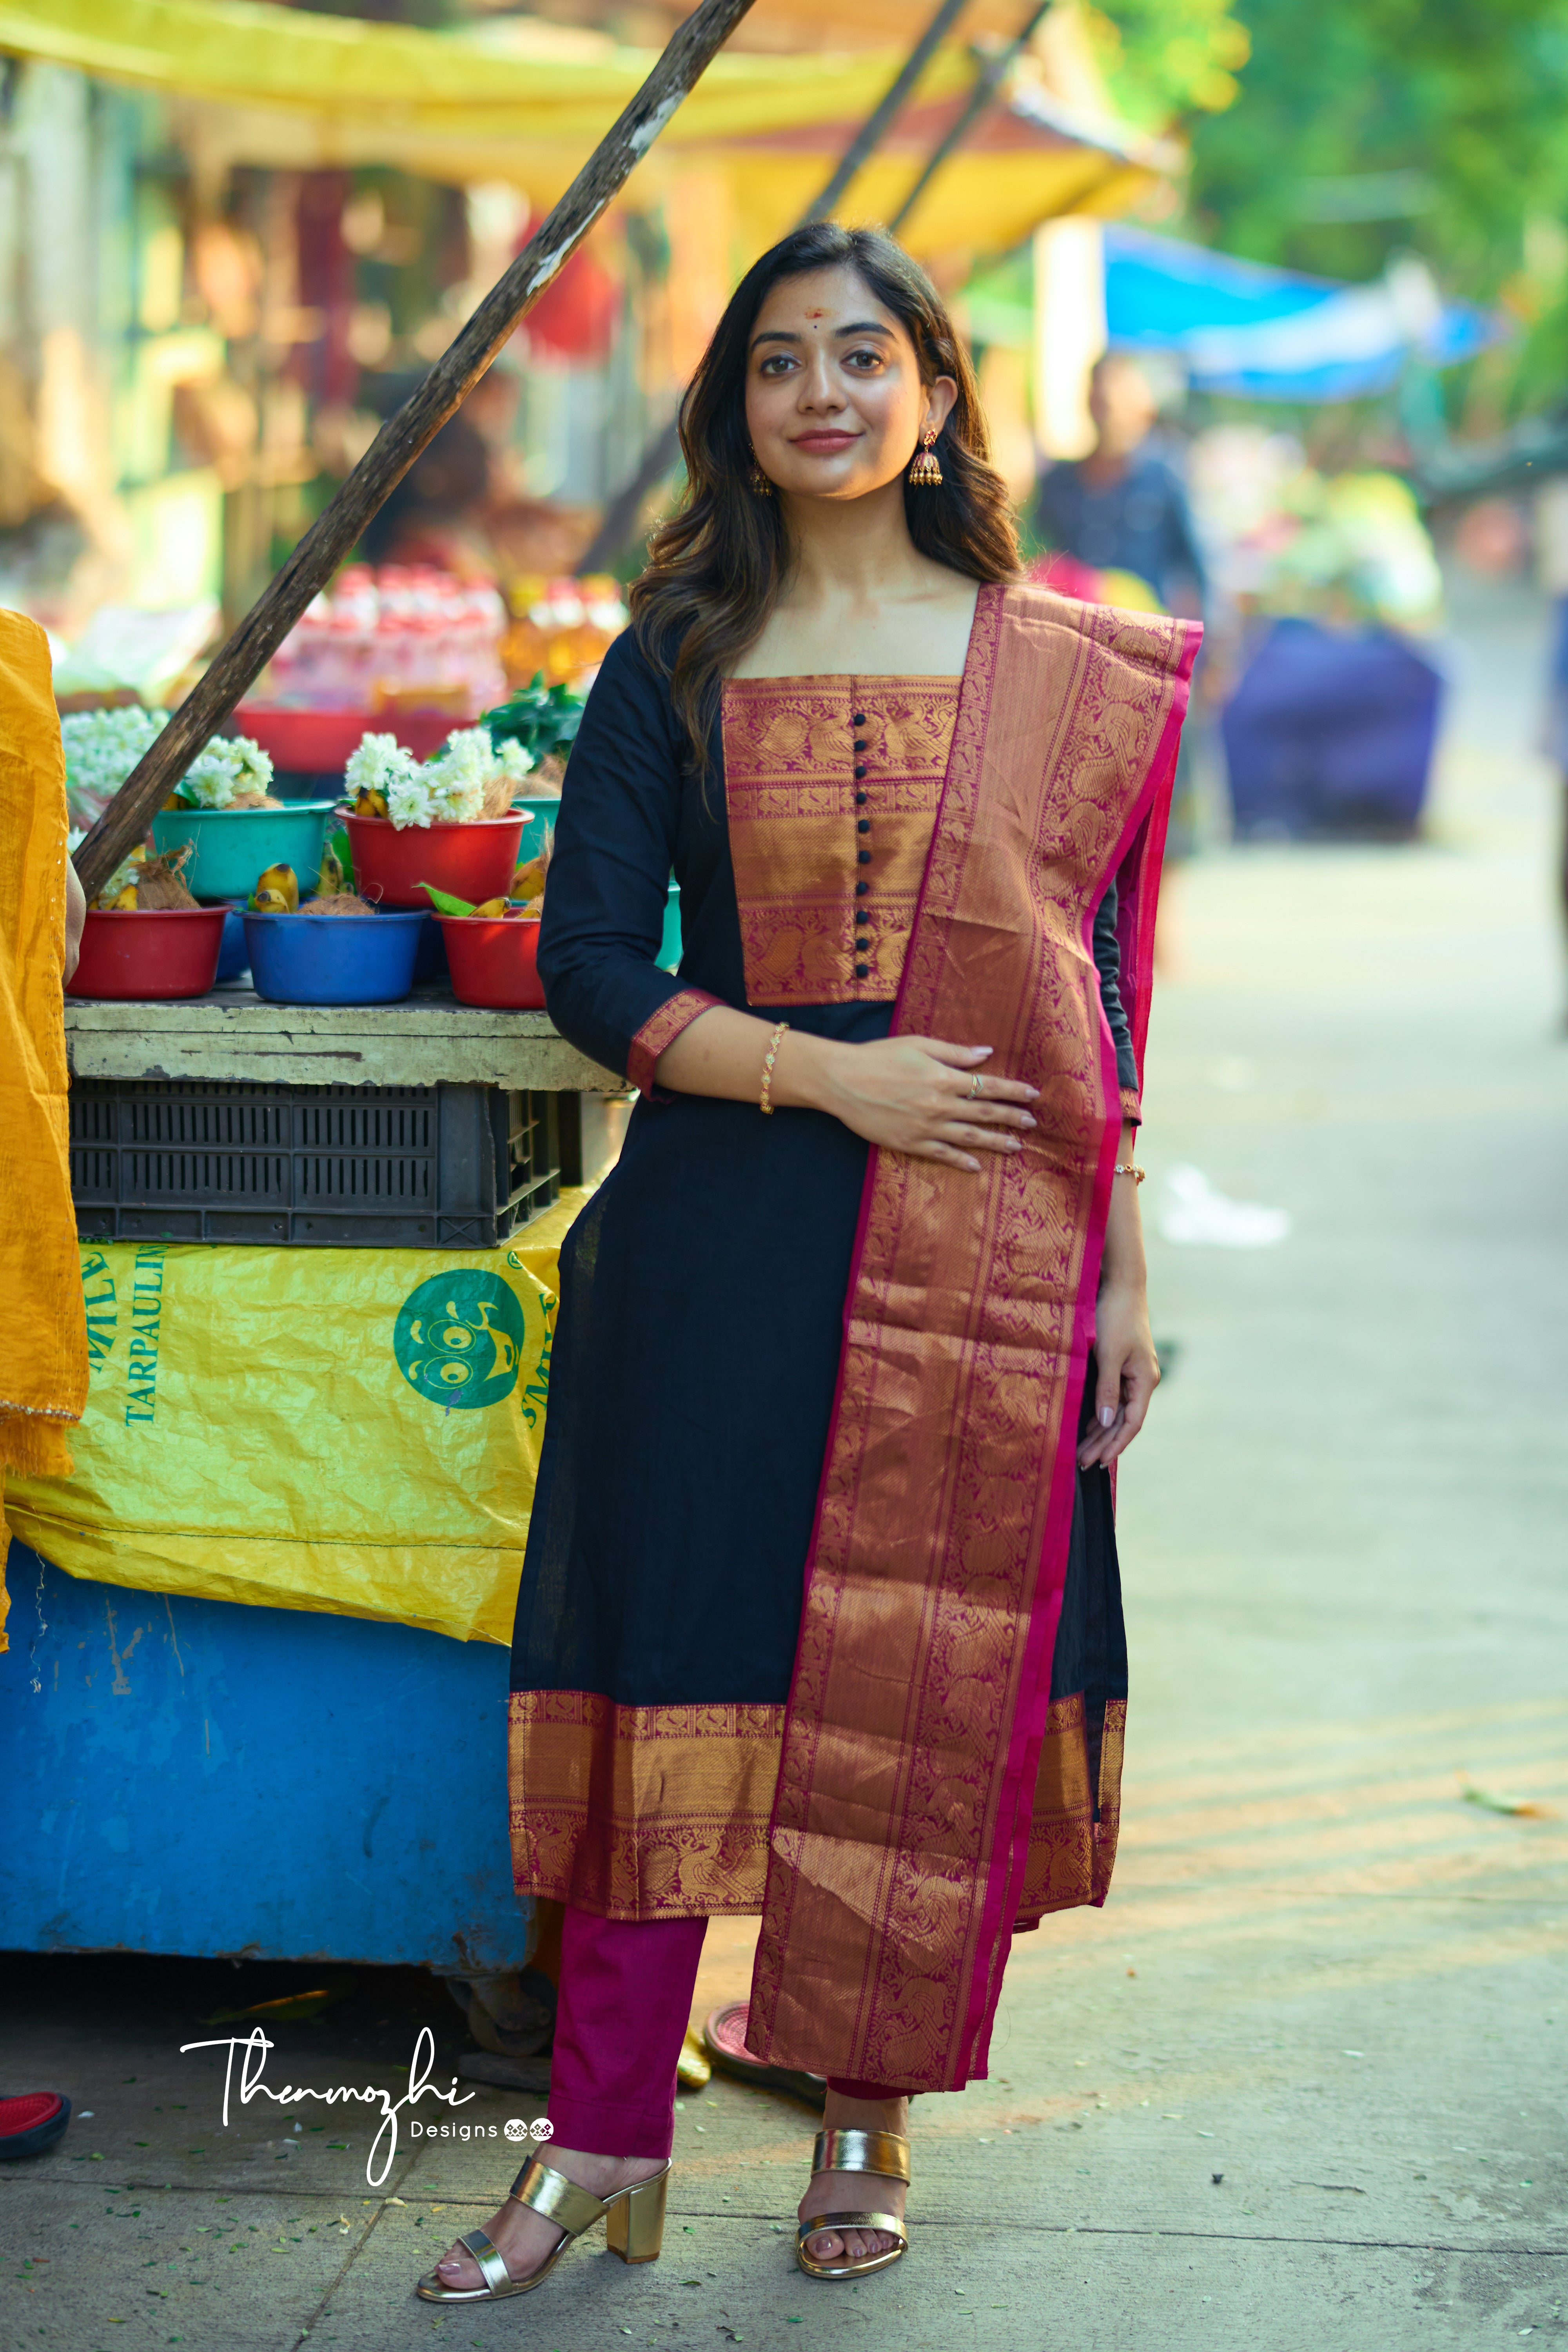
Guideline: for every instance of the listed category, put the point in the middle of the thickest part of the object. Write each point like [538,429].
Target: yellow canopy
[526,102]
[503,83]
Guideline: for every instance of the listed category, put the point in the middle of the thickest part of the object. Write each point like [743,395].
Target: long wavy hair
[716,565]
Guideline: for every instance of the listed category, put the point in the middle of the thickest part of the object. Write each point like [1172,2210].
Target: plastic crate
[444,1167]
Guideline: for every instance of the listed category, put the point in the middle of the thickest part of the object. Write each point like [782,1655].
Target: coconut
[160,886]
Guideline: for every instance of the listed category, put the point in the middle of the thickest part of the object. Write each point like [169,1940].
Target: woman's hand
[919,1095]
[908,1094]
[1129,1373]
[1123,1344]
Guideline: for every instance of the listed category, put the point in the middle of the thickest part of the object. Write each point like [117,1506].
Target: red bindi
[816,314]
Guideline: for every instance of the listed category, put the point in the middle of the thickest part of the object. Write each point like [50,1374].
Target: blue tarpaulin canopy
[1271,334]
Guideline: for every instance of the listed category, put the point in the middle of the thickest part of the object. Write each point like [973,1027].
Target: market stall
[255,1695]
[318,1220]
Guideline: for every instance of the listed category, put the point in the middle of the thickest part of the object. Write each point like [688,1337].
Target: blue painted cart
[203,1778]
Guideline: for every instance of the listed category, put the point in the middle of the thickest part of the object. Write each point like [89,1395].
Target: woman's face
[834,404]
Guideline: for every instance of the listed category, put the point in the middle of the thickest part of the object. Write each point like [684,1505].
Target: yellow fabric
[508,84]
[527,103]
[292,1427]
[43,1337]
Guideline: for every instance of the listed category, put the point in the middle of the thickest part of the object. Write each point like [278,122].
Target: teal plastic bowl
[541,812]
[669,947]
[232,846]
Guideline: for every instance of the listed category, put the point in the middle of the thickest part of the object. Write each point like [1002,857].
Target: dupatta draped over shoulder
[900,1849]
[818,1617]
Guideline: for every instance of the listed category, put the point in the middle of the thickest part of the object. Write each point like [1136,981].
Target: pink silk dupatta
[899,1846]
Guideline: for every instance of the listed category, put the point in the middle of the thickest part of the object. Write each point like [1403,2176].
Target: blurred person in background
[1123,507]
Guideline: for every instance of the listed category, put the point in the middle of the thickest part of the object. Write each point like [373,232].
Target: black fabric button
[862,971]
[859,774]
[862,947]
[860,890]
[862,825]
[860,800]
[861,745]
[862,857]
[858,719]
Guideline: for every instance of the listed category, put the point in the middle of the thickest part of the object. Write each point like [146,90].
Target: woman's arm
[1129,1370]
[609,876]
[917,1094]
[76,919]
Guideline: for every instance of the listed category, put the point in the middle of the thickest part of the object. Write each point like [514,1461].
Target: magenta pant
[626,2003]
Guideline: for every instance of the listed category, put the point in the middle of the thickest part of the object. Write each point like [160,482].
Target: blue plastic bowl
[232,846]
[430,963]
[231,956]
[332,959]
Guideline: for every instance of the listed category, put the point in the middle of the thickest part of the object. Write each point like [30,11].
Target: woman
[820,1614]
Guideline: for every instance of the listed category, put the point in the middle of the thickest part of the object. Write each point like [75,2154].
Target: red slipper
[32,2124]
[724,2040]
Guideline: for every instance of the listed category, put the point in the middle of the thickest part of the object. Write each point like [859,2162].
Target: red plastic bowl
[473,861]
[494,961]
[315,740]
[172,953]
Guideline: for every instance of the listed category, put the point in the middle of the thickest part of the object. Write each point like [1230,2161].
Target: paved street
[1302,2084]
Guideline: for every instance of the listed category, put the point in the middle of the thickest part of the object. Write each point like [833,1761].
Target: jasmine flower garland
[465,779]
[230,772]
[101,748]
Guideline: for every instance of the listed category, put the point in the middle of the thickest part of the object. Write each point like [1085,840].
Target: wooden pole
[398,444]
[621,514]
[988,82]
[869,136]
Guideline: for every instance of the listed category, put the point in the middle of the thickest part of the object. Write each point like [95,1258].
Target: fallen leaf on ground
[1494,1801]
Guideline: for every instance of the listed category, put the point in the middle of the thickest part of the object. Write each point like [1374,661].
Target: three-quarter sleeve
[609,875]
[1108,963]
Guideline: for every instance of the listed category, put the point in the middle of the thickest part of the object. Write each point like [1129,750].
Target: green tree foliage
[1367,125]
[1164,58]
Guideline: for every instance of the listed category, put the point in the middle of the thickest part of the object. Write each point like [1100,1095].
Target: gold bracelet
[1125,1168]
[769,1058]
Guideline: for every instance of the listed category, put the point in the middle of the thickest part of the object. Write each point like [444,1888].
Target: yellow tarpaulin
[352,1431]
[259,84]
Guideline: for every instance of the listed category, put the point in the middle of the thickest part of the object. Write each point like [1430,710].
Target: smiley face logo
[459,1337]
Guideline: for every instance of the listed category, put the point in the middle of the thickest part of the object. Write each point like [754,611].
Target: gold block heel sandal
[633,2219]
[884,2154]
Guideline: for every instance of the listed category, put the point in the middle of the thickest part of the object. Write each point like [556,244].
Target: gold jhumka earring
[757,482]
[925,473]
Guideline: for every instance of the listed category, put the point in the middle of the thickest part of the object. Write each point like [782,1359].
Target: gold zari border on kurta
[661,1813]
[642,1813]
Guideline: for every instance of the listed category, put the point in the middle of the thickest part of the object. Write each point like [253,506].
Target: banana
[276,891]
[370,802]
[126,902]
